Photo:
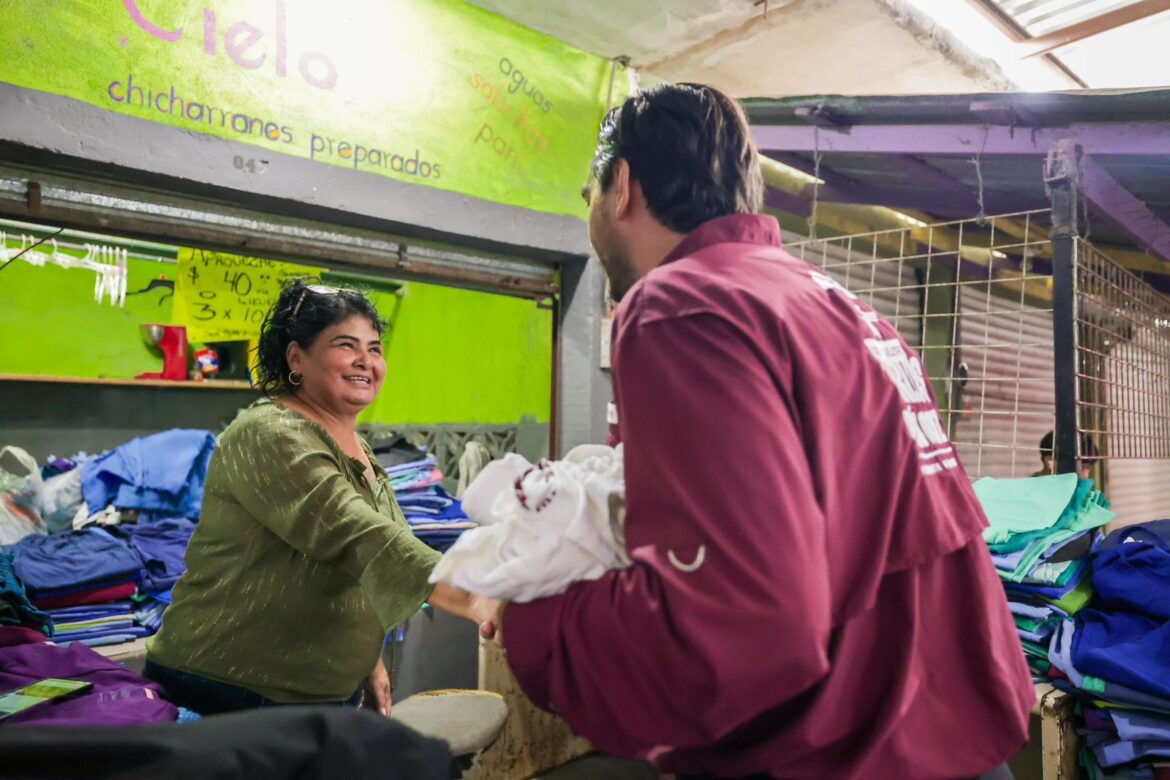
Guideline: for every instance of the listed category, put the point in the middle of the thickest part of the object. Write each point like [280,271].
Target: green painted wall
[453,356]
[50,323]
[460,356]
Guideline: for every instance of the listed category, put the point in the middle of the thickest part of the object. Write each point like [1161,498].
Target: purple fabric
[119,697]
[19,635]
[1098,720]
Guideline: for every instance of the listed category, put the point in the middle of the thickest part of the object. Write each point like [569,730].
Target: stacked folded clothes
[107,582]
[1115,655]
[97,624]
[1040,533]
[103,585]
[417,474]
[435,517]
[68,569]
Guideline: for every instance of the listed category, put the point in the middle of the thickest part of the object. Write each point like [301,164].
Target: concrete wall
[585,386]
[61,419]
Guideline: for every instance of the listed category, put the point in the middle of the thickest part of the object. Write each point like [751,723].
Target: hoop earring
[296,383]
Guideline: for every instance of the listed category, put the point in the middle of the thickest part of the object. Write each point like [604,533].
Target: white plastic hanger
[123,274]
[109,264]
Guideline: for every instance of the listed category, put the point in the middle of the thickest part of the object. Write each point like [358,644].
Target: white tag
[611,413]
[606,338]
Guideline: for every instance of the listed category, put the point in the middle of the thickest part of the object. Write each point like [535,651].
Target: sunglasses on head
[319,289]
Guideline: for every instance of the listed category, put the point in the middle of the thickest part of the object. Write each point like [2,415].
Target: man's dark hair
[1046,445]
[303,310]
[690,148]
[1088,448]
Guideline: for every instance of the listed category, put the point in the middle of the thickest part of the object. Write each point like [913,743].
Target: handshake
[488,613]
[484,611]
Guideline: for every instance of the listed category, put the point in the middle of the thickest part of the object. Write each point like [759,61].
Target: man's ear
[620,186]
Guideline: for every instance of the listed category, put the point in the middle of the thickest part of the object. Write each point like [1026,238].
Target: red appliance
[171,341]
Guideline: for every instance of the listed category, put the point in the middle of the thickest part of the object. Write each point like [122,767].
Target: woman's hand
[376,691]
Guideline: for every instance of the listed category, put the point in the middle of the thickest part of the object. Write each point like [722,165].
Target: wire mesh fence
[1123,366]
[1123,329]
[975,298]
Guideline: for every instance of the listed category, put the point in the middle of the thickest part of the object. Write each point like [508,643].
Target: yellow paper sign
[222,297]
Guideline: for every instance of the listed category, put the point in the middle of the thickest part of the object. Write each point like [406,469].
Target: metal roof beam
[1118,206]
[950,197]
[809,168]
[1152,138]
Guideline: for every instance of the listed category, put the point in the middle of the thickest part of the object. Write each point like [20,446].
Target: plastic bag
[22,494]
[62,498]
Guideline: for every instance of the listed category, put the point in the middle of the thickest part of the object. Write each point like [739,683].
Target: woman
[302,561]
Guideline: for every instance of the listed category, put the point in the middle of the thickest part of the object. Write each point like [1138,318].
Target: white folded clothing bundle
[542,527]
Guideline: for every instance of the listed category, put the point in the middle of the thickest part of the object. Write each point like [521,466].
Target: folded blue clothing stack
[1116,655]
[148,613]
[109,623]
[59,564]
[97,624]
[435,517]
[1040,533]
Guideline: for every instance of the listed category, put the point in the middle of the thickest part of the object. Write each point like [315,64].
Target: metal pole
[1061,177]
[554,417]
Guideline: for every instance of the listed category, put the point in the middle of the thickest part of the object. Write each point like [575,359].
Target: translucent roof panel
[1040,17]
[1130,56]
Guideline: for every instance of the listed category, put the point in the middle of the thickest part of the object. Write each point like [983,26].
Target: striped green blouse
[297,569]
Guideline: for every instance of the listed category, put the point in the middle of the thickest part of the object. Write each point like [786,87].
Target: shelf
[211,384]
[132,655]
[124,651]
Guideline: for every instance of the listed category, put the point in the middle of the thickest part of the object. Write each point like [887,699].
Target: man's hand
[493,625]
[376,691]
[485,612]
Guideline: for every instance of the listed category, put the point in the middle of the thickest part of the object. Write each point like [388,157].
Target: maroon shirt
[810,595]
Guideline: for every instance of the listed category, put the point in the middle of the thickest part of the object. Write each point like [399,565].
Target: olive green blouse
[297,569]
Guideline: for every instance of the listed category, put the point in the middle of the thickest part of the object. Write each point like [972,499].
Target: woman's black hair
[300,314]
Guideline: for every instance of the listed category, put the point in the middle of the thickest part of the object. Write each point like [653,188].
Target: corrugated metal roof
[949,184]
[1040,17]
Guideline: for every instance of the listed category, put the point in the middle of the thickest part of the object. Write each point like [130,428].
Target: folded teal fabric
[1015,506]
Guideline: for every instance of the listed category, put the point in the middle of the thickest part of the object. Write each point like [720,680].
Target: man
[810,595]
